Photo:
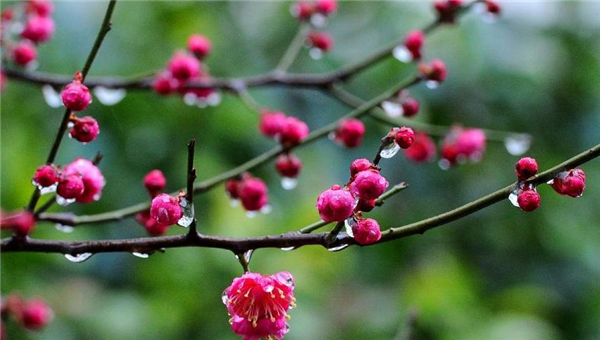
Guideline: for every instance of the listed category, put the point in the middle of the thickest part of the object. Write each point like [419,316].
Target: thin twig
[291,239]
[106,25]
[293,49]
[189,194]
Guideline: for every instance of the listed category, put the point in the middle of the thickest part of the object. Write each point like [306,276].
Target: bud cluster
[32,314]
[252,192]
[155,182]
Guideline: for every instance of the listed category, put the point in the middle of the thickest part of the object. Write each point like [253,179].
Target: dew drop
[234,202]
[513,198]
[32,66]
[214,99]
[392,108]
[288,248]
[224,297]
[315,53]
[444,164]
[188,214]
[108,96]
[332,136]
[51,96]
[550,182]
[266,209]
[140,255]
[64,201]
[338,248]
[78,258]
[349,224]
[190,99]
[432,84]
[390,150]
[248,255]
[67,229]
[47,190]
[289,183]
[402,54]
[251,214]
[318,20]
[517,144]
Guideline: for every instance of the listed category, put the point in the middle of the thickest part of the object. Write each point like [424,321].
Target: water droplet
[78,258]
[248,255]
[47,190]
[188,213]
[332,135]
[64,228]
[32,66]
[392,108]
[517,144]
[214,99]
[338,248]
[444,164]
[108,96]
[315,53]
[288,248]
[318,20]
[268,288]
[289,183]
[390,150]
[266,209]
[349,224]
[251,214]
[550,182]
[234,202]
[285,278]
[224,297]
[190,99]
[51,96]
[64,201]
[432,84]
[513,197]
[402,54]
[140,255]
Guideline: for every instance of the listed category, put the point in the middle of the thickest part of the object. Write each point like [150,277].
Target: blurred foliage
[499,274]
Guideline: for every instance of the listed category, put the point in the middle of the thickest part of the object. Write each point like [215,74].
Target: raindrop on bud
[108,96]
[51,96]
[393,109]
[517,144]
[338,248]
[390,150]
[289,183]
[140,255]
[315,53]
[64,201]
[78,258]
[402,54]
[432,84]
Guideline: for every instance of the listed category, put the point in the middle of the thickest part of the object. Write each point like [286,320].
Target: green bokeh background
[498,274]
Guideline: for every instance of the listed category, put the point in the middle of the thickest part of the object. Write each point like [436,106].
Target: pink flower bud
[574,183]
[410,107]
[326,7]
[92,177]
[528,200]
[38,29]
[449,152]
[45,176]
[7,15]
[288,165]
[436,70]
[321,40]
[366,231]
[232,188]
[35,314]
[404,137]
[42,8]
[335,204]
[422,149]
[183,66]
[155,182]
[22,222]
[271,123]
[76,96]
[369,184]
[414,43]
[253,193]
[259,304]
[493,7]
[24,53]
[447,10]
[526,167]
[365,206]
[359,165]
[199,45]
[293,131]
[164,83]
[471,142]
[165,209]
[303,10]
[350,132]
[152,226]
[70,186]
[85,129]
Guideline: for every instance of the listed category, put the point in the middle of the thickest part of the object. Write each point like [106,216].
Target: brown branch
[287,240]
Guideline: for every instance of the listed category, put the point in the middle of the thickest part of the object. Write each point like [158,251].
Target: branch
[276,77]
[116,215]
[106,25]
[292,51]
[287,240]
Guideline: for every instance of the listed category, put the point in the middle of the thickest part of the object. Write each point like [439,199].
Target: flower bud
[528,200]
[293,131]
[199,45]
[183,66]
[288,165]
[22,223]
[165,209]
[350,132]
[38,29]
[24,53]
[164,83]
[155,182]
[253,193]
[359,165]
[335,204]
[320,40]
[271,123]
[422,149]
[369,184]
[76,96]
[85,129]
[410,107]
[525,168]
[366,231]
[35,314]
[414,43]
[404,137]
[70,186]
[45,176]
[326,7]
[92,177]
